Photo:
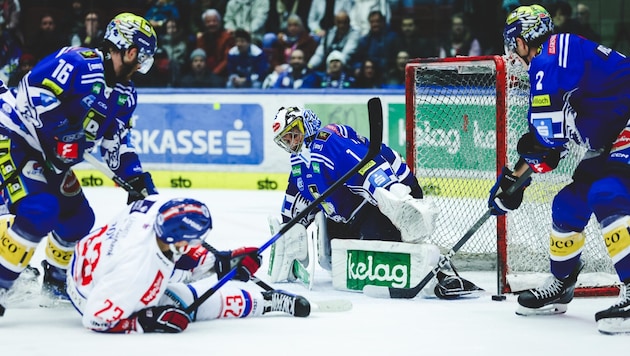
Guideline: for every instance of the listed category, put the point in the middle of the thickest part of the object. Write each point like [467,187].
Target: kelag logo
[199,133]
[387,269]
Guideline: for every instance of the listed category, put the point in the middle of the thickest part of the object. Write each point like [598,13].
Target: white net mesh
[455,159]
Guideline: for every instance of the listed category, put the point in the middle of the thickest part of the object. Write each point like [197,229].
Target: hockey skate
[616,319]
[551,298]
[3,300]
[53,286]
[281,301]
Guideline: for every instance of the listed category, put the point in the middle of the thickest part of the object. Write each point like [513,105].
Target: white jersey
[119,269]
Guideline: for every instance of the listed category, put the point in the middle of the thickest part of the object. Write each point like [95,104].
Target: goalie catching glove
[245,259]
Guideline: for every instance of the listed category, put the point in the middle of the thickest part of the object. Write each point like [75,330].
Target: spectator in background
[10,51]
[73,20]
[295,36]
[583,16]
[297,76]
[47,39]
[160,12]
[362,10]
[26,63]
[216,42]
[336,76]
[342,37]
[379,44]
[460,41]
[410,42]
[10,11]
[281,10]
[195,23]
[249,15]
[321,17]
[395,77]
[369,76]
[247,64]
[562,16]
[91,34]
[199,76]
[174,44]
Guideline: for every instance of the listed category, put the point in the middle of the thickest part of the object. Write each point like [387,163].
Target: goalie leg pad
[356,263]
[324,252]
[415,218]
[293,245]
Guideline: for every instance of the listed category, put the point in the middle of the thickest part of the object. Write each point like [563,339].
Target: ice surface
[373,327]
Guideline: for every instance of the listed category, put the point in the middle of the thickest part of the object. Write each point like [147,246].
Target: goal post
[464,116]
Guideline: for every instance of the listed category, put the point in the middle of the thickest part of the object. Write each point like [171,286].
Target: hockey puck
[499,298]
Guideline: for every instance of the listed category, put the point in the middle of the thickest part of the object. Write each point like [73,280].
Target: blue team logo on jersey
[379,178]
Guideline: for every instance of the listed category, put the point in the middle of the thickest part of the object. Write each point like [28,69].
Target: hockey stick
[375,115]
[332,305]
[408,293]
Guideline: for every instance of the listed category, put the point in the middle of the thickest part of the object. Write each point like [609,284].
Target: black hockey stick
[375,115]
[408,293]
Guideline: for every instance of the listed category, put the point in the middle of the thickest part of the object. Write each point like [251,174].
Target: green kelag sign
[389,269]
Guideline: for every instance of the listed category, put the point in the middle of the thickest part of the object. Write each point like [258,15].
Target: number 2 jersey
[580,91]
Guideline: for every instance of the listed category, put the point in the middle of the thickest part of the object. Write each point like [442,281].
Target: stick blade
[331,305]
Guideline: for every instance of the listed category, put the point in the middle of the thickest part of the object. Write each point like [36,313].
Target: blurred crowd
[272,43]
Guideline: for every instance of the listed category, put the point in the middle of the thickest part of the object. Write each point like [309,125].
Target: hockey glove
[142,187]
[246,259]
[69,143]
[540,158]
[501,204]
[161,319]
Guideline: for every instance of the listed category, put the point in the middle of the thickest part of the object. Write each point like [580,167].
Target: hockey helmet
[293,126]
[531,23]
[183,219]
[127,30]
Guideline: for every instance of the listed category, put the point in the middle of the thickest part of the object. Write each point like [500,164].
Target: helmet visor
[292,137]
[145,62]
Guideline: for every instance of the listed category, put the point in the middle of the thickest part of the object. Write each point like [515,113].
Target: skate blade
[551,309]
[46,301]
[614,326]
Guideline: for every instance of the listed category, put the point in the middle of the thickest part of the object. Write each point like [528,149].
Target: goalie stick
[408,293]
[375,116]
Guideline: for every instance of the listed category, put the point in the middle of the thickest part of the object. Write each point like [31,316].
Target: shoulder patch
[323,135]
[88,54]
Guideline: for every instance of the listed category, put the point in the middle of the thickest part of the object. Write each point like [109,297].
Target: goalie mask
[182,219]
[531,23]
[294,126]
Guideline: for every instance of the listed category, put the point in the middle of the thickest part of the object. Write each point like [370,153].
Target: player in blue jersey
[580,91]
[382,202]
[71,101]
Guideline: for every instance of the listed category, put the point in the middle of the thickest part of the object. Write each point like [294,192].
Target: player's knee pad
[570,210]
[72,228]
[415,218]
[610,196]
[357,263]
[616,235]
[291,246]
[324,252]
[16,251]
[58,251]
[36,215]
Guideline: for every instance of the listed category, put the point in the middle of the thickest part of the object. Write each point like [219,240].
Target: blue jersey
[335,150]
[69,88]
[580,91]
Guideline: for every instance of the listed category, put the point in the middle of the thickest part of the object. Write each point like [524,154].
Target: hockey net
[464,118]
